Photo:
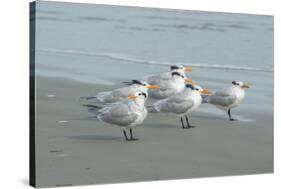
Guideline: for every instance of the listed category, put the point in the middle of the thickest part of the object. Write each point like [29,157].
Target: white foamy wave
[126,58]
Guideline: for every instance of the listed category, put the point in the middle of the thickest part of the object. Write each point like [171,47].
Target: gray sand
[72,148]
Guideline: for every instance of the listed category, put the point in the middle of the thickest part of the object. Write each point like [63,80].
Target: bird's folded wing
[153,80]
[177,105]
[224,92]
[188,103]
[120,93]
[156,79]
[222,98]
[119,114]
[113,96]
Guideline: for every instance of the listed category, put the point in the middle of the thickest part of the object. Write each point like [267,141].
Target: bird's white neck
[139,102]
[238,88]
[178,79]
[239,92]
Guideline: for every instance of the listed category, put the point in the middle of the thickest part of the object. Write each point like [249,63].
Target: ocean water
[103,44]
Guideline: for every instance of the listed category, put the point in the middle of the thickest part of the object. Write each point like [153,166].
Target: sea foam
[136,60]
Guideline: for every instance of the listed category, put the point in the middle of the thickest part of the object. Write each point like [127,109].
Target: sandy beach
[73,148]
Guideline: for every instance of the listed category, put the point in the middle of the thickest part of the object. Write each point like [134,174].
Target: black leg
[229,115]
[125,135]
[132,137]
[182,123]
[187,122]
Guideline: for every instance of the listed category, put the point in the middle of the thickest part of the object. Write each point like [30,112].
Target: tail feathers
[92,108]
[88,98]
[205,99]
[93,100]
[151,108]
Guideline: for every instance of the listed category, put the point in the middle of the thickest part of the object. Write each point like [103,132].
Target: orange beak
[153,87]
[244,86]
[132,97]
[207,92]
[187,80]
[187,69]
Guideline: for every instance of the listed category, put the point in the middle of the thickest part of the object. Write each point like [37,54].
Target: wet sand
[73,148]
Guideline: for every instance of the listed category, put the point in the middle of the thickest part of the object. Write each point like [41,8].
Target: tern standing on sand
[228,98]
[125,114]
[182,103]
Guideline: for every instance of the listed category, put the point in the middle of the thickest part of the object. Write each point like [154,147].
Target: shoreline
[117,83]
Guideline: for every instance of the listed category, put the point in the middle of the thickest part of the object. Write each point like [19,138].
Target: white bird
[167,75]
[182,103]
[228,98]
[121,93]
[125,114]
[169,86]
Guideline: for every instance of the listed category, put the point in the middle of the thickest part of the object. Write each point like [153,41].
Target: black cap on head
[174,67]
[178,74]
[134,82]
[137,82]
[235,83]
[189,86]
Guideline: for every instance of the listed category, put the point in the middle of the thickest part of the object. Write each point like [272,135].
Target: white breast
[197,100]
[141,112]
[239,94]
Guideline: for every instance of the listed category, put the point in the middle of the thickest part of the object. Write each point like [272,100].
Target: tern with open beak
[228,98]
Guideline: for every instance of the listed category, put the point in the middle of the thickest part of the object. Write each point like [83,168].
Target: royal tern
[228,98]
[121,93]
[182,103]
[169,87]
[125,114]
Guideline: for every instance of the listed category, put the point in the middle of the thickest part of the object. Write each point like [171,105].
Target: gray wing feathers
[156,79]
[118,115]
[222,98]
[174,105]
[166,89]
[113,96]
